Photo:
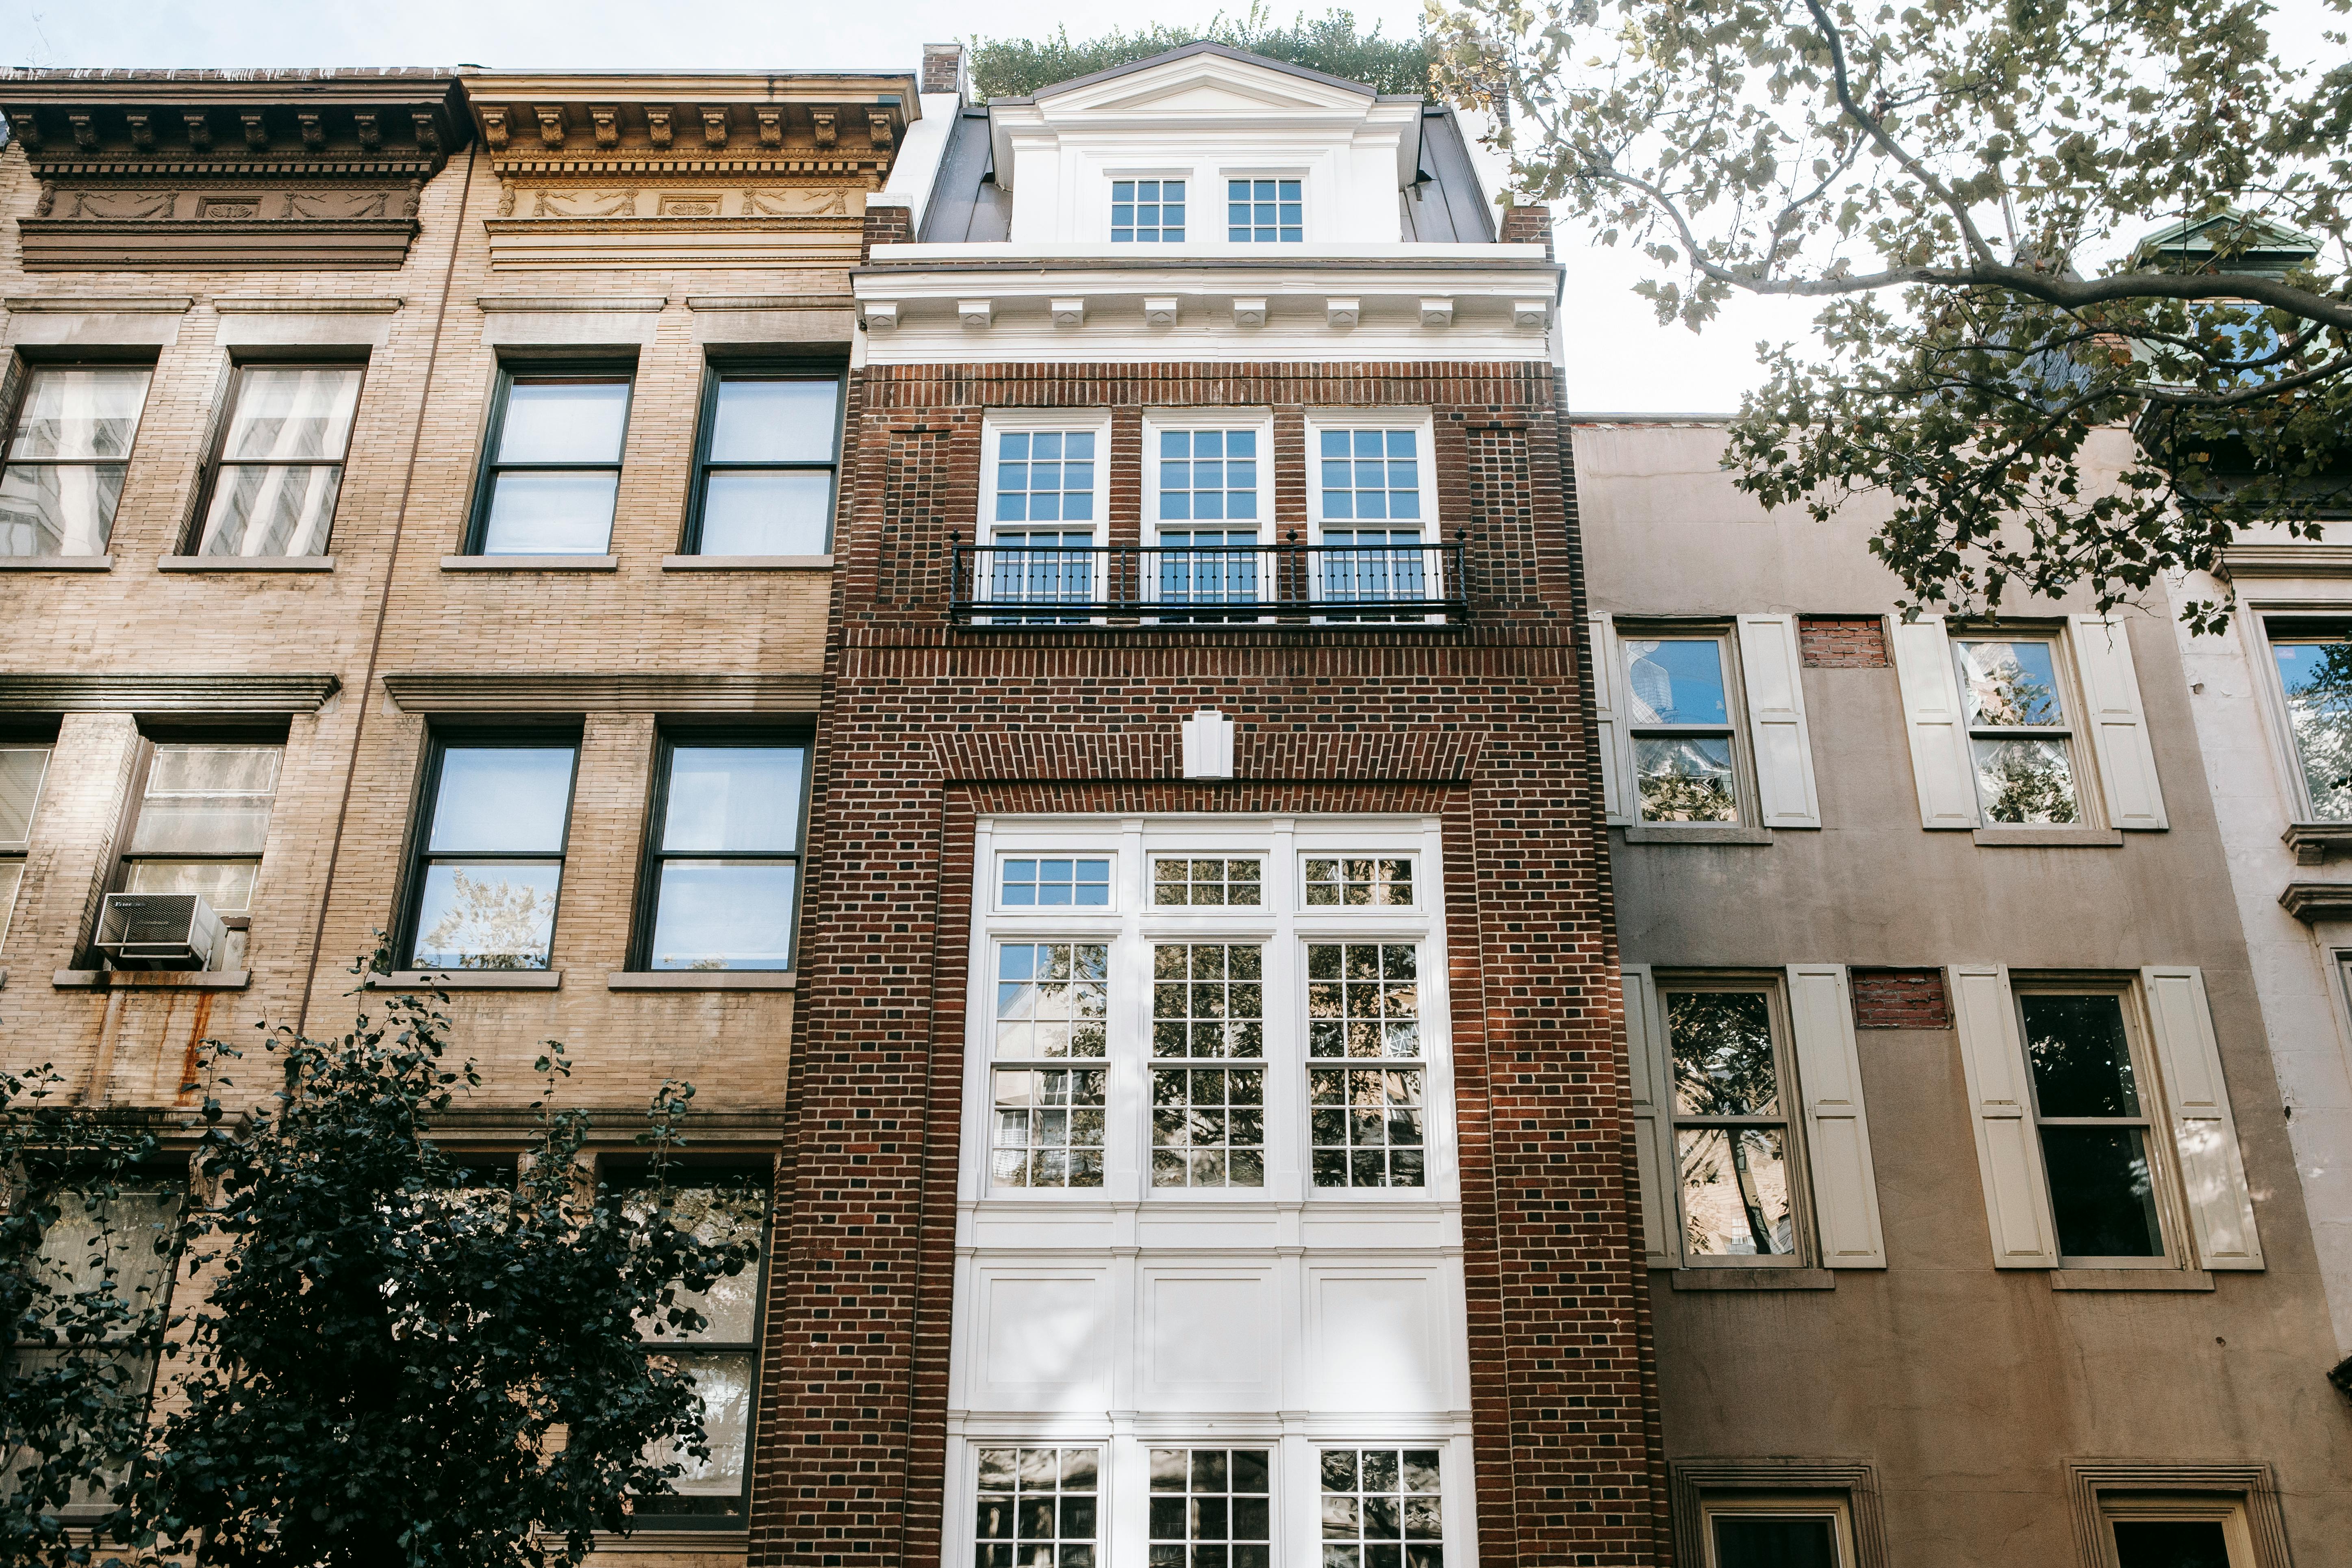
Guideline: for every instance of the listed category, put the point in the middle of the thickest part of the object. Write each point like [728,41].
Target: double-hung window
[1731,1123]
[2020,730]
[1043,506]
[1264,212]
[553,467]
[22,769]
[68,448]
[1208,494]
[715,1206]
[2315,669]
[2092,1112]
[1765,1531]
[769,442]
[201,820]
[1372,498]
[723,878]
[279,464]
[1048,1081]
[1147,212]
[1678,706]
[489,859]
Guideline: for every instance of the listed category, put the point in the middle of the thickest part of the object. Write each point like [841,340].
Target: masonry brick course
[1842,642]
[1900,999]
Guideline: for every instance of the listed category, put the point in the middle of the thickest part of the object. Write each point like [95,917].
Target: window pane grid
[727,858]
[1049,1127]
[1383,1508]
[1731,1125]
[1211,1508]
[1053,999]
[1264,211]
[555,473]
[1680,725]
[1037,1508]
[1232,883]
[1076,883]
[1208,1120]
[1386,881]
[1147,212]
[1366,1124]
[492,865]
[765,480]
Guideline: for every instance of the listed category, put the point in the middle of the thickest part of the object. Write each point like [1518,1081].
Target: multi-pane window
[1384,881]
[726,859]
[2315,673]
[1147,212]
[1679,705]
[1731,1126]
[2019,736]
[1264,211]
[61,471]
[1383,1508]
[22,769]
[1052,1002]
[1217,880]
[1367,1127]
[1207,511]
[1037,1508]
[280,463]
[1044,477]
[717,1208]
[1208,1071]
[2096,1126]
[203,819]
[1212,1508]
[491,858]
[1369,483]
[554,467]
[764,485]
[1076,883]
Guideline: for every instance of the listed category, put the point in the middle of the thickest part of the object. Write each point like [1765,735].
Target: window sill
[702,980]
[57,563]
[747,563]
[2130,1279]
[2314,842]
[468,980]
[152,979]
[530,562]
[1753,1278]
[246,564]
[1695,833]
[2049,838]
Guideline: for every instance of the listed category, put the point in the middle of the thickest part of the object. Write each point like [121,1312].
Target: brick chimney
[943,70]
[1529,225]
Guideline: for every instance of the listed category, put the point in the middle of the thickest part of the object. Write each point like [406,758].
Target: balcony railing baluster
[1208,585]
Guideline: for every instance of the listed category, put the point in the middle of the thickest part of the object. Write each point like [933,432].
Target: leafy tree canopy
[1963,184]
[1014,68]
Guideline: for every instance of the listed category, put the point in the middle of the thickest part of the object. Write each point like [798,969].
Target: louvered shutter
[2119,725]
[1837,1133]
[2001,1103]
[1607,678]
[2221,1204]
[1776,721]
[1937,728]
[1651,1073]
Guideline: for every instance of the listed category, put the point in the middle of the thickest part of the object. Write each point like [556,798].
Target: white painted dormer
[1207,115]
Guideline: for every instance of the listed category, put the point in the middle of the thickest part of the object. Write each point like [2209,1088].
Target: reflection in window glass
[1037,1508]
[727,861]
[766,483]
[493,861]
[1232,883]
[281,461]
[1368,880]
[1208,1075]
[1383,1508]
[61,471]
[22,769]
[1052,999]
[1680,715]
[2317,677]
[2094,1127]
[1049,1127]
[1211,1508]
[557,469]
[1731,1127]
[2018,732]
[1366,1124]
[203,819]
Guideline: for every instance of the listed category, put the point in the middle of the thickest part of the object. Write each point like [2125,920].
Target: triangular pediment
[1205,80]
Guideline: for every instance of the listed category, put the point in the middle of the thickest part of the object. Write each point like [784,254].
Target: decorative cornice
[222,693]
[2285,561]
[247,124]
[2313,901]
[311,306]
[771,301]
[100,305]
[2313,842]
[563,691]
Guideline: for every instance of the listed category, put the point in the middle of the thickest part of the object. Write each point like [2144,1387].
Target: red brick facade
[1842,642]
[929,725]
[1900,999]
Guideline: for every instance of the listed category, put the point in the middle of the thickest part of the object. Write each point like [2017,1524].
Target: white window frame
[1310,231]
[999,422]
[1281,924]
[2090,796]
[1836,1507]
[16,856]
[1724,634]
[1432,524]
[1098,224]
[1795,1155]
[2262,642]
[1258,420]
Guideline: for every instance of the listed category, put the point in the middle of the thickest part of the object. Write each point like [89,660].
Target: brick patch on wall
[1842,642]
[1900,999]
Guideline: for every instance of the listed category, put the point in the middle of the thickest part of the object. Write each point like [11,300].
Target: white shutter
[1837,1135]
[1776,721]
[2221,1205]
[1649,1071]
[2118,724]
[1611,738]
[1938,729]
[2001,1103]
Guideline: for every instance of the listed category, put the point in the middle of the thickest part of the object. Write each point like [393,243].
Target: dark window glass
[766,476]
[61,470]
[555,465]
[2171,1543]
[1211,1508]
[2094,1127]
[726,856]
[1383,1508]
[491,862]
[280,463]
[1731,1126]
[1744,1541]
[1037,1508]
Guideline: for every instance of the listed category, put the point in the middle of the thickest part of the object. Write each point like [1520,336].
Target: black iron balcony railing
[1214,585]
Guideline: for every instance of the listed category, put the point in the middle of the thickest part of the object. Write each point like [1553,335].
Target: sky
[1621,360]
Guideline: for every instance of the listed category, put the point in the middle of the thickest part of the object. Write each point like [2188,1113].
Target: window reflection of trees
[2318,681]
[1732,1136]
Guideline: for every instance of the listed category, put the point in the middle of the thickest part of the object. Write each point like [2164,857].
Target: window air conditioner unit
[159,930]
